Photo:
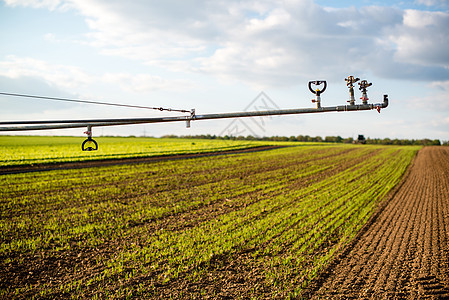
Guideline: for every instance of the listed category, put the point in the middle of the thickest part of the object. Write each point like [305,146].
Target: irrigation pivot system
[317,87]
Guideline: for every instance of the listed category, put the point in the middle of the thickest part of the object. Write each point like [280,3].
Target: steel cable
[93,102]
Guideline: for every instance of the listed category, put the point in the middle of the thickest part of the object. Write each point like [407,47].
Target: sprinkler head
[351,80]
[317,91]
[364,85]
[350,83]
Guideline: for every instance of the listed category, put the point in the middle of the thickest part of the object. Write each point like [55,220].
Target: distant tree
[307,138]
[329,139]
[333,139]
[386,141]
[317,139]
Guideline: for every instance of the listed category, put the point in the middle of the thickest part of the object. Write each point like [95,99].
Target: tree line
[319,139]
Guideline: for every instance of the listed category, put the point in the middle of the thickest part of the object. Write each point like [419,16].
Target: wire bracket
[190,118]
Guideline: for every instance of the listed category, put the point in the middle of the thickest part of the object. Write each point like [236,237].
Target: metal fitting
[89,144]
[317,91]
[350,83]
[363,86]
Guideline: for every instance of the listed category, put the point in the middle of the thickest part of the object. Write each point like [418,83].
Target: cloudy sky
[218,56]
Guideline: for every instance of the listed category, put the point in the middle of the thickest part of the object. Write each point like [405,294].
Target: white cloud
[423,38]
[69,77]
[436,100]
[139,83]
[267,43]
[298,39]
[441,85]
[49,4]
[74,78]
[442,3]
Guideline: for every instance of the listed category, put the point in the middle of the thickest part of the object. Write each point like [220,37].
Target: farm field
[261,224]
[404,253]
[31,150]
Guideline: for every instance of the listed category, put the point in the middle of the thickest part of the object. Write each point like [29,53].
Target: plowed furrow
[366,254]
[404,253]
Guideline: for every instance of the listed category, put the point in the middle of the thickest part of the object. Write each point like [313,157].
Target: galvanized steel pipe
[62,124]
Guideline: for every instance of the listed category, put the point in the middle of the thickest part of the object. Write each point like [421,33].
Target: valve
[350,83]
[89,144]
[363,86]
[317,91]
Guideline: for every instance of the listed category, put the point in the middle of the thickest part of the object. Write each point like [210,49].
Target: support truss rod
[62,124]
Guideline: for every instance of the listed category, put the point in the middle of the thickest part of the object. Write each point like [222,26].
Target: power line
[93,102]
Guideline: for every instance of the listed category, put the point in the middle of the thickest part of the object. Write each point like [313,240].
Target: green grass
[152,229]
[29,150]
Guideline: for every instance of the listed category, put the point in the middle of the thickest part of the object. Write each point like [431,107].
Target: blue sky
[217,56]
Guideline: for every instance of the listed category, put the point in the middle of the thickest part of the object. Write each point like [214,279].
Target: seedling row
[174,228]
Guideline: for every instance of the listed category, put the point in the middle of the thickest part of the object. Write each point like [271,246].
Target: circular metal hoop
[89,146]
[317,82]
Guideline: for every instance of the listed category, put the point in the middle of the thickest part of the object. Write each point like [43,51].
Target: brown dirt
[403,251]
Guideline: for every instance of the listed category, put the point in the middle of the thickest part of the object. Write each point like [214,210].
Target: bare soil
[403,251]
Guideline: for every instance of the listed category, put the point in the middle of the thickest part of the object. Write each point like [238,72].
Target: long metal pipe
[62,124]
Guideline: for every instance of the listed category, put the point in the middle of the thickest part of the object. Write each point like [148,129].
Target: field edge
[315,284]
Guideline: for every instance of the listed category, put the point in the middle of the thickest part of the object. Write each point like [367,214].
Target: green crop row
[29,150]
[145,229]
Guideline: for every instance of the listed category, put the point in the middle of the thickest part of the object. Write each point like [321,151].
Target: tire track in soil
[403,252]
